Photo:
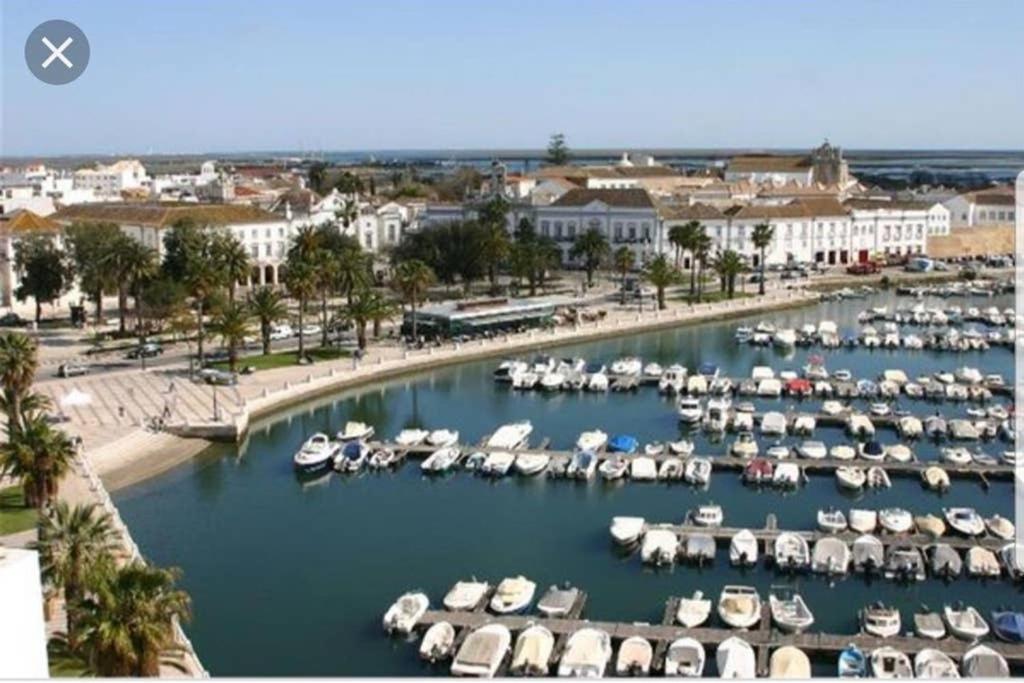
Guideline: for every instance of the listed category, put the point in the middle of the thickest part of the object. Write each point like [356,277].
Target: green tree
[232,325]
[300,279]
[42,269]
[90,246]
[191,256]
[558,150]
[762,238]
[316,175]
[233,260]
[38,455]
[412,280]
[494,241]
[624,260]
[701,249]
[19,361]
[593,248]
[138,266]
[660,273]
[729,266]
[367,306]
[268,307]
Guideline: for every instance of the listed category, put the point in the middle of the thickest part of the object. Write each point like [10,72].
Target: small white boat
[685,657]
[956,455]
[896,520]
[745,445]
[982,661]
[860,425]
[743,548]
[935,478]
[693,611]
[634,658]
[739,606]
[532,653]
[773,423]
[582,465]
[842,452]
[405,613]
[660,547]
[804,424]
[789,662]
[878,478]
[352,456]
[443,437]
[466,595]
[411,437]
[707,515]
[910,427]
[863,521]
[736,659]
[1000,527]
[690,410]
[626,531]
[643,468]
[791,551]
[851,478]
[511,436]
[832,408]
[529,464]
[513,595]
[830,556]
[831,520]
[630,365]
[592,441]
[681,447]
[497,464]
[441,460]
[355,431]
[929,624]
[438,642]
[965,520]
[789,612]
[671,469]
[898,452]
[697,471]
[786,475]
[482,652]
[880,620]
[982,562]
[586,655]
[672,380]
[812,450]
[317,453]
[888,662]
[613,468]
[964,622]
[654,448]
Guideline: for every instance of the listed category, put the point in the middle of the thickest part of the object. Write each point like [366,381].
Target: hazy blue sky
[221,75]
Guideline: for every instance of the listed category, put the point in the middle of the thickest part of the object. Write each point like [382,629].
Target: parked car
[864,268]
[311,330]
[281,332]
[12,320]
[72,370]
[218,377]
[147,350]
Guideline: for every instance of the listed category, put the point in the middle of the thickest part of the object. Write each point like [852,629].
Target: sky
[233,75]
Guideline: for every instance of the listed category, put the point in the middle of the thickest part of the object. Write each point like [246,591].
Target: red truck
[864,268]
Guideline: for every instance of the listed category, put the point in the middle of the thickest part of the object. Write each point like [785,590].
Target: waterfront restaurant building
[471,318]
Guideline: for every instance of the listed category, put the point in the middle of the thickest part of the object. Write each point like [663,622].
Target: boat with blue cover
[623,443]
[1008,625]
[852,663]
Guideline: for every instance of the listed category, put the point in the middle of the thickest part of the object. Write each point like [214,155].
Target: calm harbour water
[292,579]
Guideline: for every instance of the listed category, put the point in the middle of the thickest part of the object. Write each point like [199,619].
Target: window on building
[594,224]
[571,230]
[392,232]
[558,230]
[255,250]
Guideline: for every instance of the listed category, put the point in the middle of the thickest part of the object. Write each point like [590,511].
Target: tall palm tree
[305,243]
[592,246]
[74,543]
[661,274]
[411,280]
[39,456]
[233,260]
[495,247]
[232,326]
[701,249]
[268,306]
[762,238]
[367,306]
[127,621]
[138,266]
[681,236]
[18,364]
[116,260]
[729,265]
[325,272]
[686,238]
[300,278]
[624,259]
[352,271]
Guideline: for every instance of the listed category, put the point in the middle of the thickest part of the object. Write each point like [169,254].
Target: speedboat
[405,613]
[466,595]
[928,624]
[904,563]
[643,469]
[672,380]
[613,468]
[511,436]
[1008,625]
[693,611]
[787,475]
[789,662]
[671,469]
[736,659]
[956,455]
[930,525]
[652,372]
[474,462]
[660,547]
[868,554]
[898,452]
[690,410]
[558,601]
[862,521]
[443,437]
[842,452]
[681,447]
[355,431]
[529,464]
[352,457]
[860,425]
[758,471]
[878,478]
[778,451]
[513,595]
[871,450]
[623,443]
[944,561]
[654,448]
[438,642]
[982,562]
[697,471]
[626,531]
[383,458]
[597,381]
[634,658]
[586,654]
[773,423]
[498,464]
[699,548]
[830,556]
[508,369]
[852,663]
[630,365]
[964,520]
[707,515]
[789,612]
[411,437]
[812,450]
[739,606]
[804,424]
[1012,556]
[745,445]
[791,551]
[592,441]
[316,454]
[532,653]
[895,520]
[743,548]
[964,622]
[831,520]
[935,426]
[685,657]
[880,620]
[982,661]
[935,478]
[482,652]
[441,460]
[888,662]
[582,465]
[851,478]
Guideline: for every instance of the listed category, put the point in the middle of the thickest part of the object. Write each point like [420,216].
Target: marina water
[291,577]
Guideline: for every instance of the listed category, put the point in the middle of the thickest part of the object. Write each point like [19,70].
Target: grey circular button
[57,52]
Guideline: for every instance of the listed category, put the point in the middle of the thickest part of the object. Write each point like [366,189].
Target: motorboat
[791,551]
[592,441]
[743,548]
[868,554]
[597,381]
[787,475]
[789,662]
[804,424]
[474,462]
[685,657]
[643,469]
[1008,625]
[438,642]
[441,460]
[659,547]
[851,478]
[466,595]
[930,525]
[880,620]
[699,548]
[773,423]
[498,464]
[758,471]
[898,452]
[697,471]
[513,595]
[935,478]
[693,611]
[623,443]
[789,611]
[929,624]
[654,449]
[964,520]
[831,520]
[717,415]
[652,372]
[860,425]
[872,451]
[681,447]
[586,654]
[862,521]
[635,657]
[956,455]
[935,426]
[982,661]
[627,531]
[690,410]
[508,369]
[672,380]
[982,562]
[482,652]
[526,380]
[778,451]
[1000,527]
[582,465]
[696,385]
[405,613]
[895,520]
[745,445]
[742,421]
[531,655]
[383,458]
[352,457]
[851,663]
[354,431]
[707,515]
[832,408]
[878,478]
[888,662]
[441,438]
[671,469]
[630,365]
[830,556]
[842,452]
[812,450]
[558,601]
[736,659]
[964,622]
[613,468]
[904,563]
[317,453]
[739,606]
[529,464]
[944,561]
[511,436]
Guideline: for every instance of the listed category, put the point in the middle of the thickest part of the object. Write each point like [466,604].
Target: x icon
[57,52]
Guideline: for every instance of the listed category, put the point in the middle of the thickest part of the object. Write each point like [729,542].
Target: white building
[22,627]
[626,217]
[112,179]
[985,207]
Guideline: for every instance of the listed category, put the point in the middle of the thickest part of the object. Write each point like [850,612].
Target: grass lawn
[14,516]
[286,358]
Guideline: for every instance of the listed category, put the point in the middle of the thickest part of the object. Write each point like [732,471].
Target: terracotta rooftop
[798,208]
[993,197]
[165,214]
[690,212]
[769,163]
[25,221]
[629,198]
[888,204]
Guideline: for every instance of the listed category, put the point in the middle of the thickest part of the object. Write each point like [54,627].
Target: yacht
[441,460]
[928,624]
[498,464]
[613,468]
[532,652]
[690,410]
[482,652]
[791,551]
[629,365]
[831,520]
[895,520]
[851,478]
[352,457]
[880,620]
[773,423]
[586,654]
[671,469]
[627,531]
[643,469]
[316,454]
[508,369]
[685,657]
[408,438]
[868,554]
[745,445]
[863,521]
[966,521]
[904,563]
[852,663]
[558,601]
[438,642]
[529,464]
[466,595]
[697,471]
[404,614]
[707,515]
[511,436]
[813,450]
[513,595]
[739,606]
[355,431]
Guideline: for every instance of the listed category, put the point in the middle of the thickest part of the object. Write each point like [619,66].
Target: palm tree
[661,274]
[729,265]
[681,236]
[39,456]
[762,238]
[268,306]
[411,280]
[367,306]
[325,272]
[233,260]
[592,246]
[117,260]
[305,243]
[127,621]
[700,249]
[138,266]
[18,364]
[203,278]
[495,247]
[624,261]
[300,278]
[352,271]
[232,326]
[74,543]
